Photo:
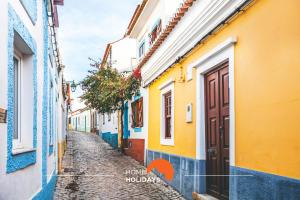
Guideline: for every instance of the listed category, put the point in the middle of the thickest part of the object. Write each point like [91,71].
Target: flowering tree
[106,90]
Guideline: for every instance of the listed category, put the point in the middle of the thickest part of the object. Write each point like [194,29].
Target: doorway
[217,130]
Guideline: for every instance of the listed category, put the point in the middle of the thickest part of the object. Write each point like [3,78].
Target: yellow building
[223,81]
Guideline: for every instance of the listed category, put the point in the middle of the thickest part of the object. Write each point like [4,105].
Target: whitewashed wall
[109,126]
[83,118]
[27,182]
[124,54]
[24,183]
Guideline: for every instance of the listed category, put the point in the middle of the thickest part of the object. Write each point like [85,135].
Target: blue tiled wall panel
[149,156]
[175,161]
[200,186]
[258,185]
[263,186]
[165,156]
[182,167]
[187,176]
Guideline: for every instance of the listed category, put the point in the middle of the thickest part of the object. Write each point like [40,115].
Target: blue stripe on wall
[47,191]
[183,167]
[110,138]
[45,96]
[137,130]
[258,185]
[262,186]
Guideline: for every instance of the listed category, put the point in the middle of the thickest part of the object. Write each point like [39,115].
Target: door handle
[211,150]
[221,131]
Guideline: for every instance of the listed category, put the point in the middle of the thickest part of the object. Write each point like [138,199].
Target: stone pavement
[93,170]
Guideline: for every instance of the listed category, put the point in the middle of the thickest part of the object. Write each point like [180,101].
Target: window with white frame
[17,95]
[23,94]
[167,113]
[142,49]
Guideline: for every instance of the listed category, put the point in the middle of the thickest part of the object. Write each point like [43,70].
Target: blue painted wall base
[47,192]
[256,185]
[183,167]
[263,186]
[110,138]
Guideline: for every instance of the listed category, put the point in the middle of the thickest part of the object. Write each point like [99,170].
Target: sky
[85,28]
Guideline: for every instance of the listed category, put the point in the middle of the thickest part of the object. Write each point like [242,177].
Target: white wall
[62,111]
[83,118]
[154,10]
[123,54]
[109,126]
[23,183]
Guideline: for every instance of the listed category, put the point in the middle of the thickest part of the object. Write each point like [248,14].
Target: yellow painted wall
[61,151]
[119,129]
[185,137]
[267,90]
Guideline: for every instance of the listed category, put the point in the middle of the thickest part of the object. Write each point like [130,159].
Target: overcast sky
[85,27]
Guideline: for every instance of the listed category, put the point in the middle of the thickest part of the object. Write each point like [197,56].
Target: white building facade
[121,55]
[32,103]
[144,27]
[81,120]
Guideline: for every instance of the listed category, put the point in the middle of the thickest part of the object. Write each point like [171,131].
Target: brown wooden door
[217,131]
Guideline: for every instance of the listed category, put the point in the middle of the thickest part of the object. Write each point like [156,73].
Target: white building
[144,28]
[32,103]
[121,55]
[81,120]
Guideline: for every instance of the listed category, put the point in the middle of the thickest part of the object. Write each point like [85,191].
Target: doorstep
[197,196]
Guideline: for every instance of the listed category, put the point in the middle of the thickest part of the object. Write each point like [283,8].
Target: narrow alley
[93,170]
[149,99]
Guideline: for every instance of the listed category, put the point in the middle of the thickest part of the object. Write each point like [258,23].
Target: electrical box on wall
[189,113]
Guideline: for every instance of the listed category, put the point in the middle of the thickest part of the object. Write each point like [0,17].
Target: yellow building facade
[260,47]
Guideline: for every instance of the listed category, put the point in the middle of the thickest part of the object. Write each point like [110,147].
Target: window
[142,49]
[156,30]
[23,95]
[17,104]
[168,114]
[109,117]
[137,113]
[103,116]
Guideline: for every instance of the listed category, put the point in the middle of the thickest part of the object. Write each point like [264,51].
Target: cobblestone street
[93,170]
